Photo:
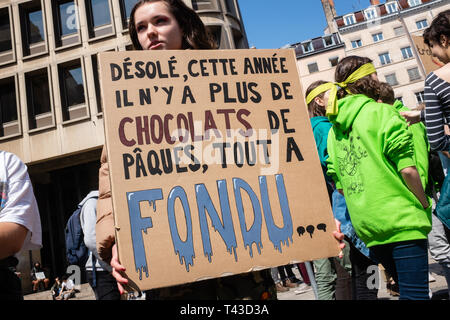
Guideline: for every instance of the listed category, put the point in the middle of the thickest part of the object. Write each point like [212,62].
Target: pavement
[438,288]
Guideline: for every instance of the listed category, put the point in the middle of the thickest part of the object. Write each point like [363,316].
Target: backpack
[76,251]
[443,206]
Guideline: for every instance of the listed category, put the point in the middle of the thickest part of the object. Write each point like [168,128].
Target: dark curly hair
[314,109]
[387,94]
[366,85]
[439,27]
[195,35]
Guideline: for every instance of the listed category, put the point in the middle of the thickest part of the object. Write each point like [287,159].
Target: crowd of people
[377,154]
[376,159]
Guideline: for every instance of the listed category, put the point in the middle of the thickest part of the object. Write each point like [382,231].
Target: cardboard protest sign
[213,165]
[429,62]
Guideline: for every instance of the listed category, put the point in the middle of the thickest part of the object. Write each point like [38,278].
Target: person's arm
[339,236]
[117,270]
[412,179]
[12,237]
[435,118]
[105,232]
[88,218]
[399,148]
[20,214]
[412,117]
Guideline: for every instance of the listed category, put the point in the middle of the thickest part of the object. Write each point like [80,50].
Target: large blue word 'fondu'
[279,236]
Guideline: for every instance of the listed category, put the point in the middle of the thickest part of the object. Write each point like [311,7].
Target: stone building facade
[50,102]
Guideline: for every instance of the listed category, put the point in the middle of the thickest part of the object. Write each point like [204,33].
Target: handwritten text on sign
[202,141]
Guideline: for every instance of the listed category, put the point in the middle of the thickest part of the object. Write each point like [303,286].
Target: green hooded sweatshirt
[368,146]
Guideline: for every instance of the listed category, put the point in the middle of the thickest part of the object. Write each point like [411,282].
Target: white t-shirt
[17,201]
[68,285]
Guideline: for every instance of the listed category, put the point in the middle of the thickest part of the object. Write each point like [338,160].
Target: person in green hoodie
[331,273]
[421,153]
[371,159]
[332,277]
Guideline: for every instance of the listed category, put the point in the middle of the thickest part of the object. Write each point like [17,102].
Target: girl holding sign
[154,25]
[371,159]
[356,256]
[171,25]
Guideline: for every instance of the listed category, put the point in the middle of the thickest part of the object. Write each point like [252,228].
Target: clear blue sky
[271,24]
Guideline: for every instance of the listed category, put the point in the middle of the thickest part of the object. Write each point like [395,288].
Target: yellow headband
[363,71]
[318,91]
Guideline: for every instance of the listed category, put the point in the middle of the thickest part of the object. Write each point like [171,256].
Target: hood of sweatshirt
[349,108]
[398,105]
[92,194]
[316,121]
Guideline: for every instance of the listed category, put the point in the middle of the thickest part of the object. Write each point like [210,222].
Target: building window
[413,3]
[391,79]
[6,48]
[407,52]
[420,97]
[384,58]
[125,9]
[203,5]
[66,22]
[33,29]
[67,18]
[377,37]
[9,124]
[218,36]
[349,19]
[313,67]
[334,61]
[307,47]
[231,7]
[238,39]
[422,24]
[414,74]
[38,99]
[95,69]
[391,7]
[370,13]
[356,43]
[72,90]
[328,41]
[399,31]
[98,14]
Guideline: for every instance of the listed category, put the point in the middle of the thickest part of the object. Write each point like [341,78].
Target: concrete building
[381,32]
[50,104]
[318,57]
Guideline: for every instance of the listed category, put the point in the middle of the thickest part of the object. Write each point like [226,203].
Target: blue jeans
[407,263]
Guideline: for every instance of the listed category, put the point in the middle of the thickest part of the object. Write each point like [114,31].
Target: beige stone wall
[81,135]
[393,43]
[326,71]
